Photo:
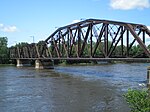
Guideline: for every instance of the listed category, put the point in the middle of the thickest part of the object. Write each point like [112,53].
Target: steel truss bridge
[91,39]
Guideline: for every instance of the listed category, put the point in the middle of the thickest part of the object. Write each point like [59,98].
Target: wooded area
[4,52]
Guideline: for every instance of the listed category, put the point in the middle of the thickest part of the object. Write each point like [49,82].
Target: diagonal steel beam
[64,44]
[135,35]
[133,41]
[73,41]
[147,30]
[120,37]
[56,48]
[99,39]
[85,40]
[114,39]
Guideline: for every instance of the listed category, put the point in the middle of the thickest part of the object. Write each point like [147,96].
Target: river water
[96,88]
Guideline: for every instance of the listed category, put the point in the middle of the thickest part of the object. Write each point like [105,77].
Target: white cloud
[1,25]
[8,28]
[129,4]
[75,21]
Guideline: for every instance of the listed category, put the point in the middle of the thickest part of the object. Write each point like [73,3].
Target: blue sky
[22,19]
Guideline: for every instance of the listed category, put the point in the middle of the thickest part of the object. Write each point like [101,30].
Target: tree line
[119,50]
[4,50]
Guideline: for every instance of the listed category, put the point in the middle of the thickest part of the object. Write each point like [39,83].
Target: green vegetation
[138,100]
[4,52]
[21,44]
[119,51]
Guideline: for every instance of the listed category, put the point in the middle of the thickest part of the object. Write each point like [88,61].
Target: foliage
[21,44]
[4,52]
[138,100]
[3,46]
[95,49]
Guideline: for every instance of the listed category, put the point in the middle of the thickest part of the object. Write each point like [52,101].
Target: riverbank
[7,65]
[91,63]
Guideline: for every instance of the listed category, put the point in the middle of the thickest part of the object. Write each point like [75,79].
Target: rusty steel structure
[91,39]
[30,51]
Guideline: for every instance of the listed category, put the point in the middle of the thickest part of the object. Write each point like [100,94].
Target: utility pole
[32,38]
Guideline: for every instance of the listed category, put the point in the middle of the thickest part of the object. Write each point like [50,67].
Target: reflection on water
[69,88]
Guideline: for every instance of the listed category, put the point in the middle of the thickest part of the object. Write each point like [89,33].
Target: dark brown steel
[89,39]
[127,54]
[130,27]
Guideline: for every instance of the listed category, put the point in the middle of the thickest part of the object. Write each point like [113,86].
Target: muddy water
[69,89]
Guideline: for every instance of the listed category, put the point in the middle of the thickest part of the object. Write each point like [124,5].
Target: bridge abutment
[44,64]
[148,76]
[23,63]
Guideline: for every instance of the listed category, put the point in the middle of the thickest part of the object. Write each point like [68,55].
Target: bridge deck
[92,59]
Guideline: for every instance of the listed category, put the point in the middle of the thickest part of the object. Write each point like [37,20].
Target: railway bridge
[88,40]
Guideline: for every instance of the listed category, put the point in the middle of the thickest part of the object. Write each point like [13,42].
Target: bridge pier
[44,64]
[148,76]
[23,63]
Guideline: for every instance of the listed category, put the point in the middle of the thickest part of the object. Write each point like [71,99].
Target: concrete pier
[23,63]
[44,64]
[148,76]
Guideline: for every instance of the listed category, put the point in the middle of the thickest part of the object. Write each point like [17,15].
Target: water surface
[69,88]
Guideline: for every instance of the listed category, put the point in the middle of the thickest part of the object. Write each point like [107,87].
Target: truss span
[90,39]
[98,38]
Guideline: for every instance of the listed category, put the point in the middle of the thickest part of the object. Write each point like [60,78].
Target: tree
[136,51]
[4,52]
[22,44]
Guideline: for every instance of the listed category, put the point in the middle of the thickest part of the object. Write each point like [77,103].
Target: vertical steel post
[79,41]
[91,39]
[70,35]
[59,41]
[106,40]
[144,37]
[127,43]
[68,44]
[121,42]
[148,76]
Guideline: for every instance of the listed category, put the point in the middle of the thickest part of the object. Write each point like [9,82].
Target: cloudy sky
[21,20]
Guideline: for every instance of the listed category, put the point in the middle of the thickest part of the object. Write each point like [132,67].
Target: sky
[23,20]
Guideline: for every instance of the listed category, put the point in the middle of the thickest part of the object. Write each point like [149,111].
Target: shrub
[138,100]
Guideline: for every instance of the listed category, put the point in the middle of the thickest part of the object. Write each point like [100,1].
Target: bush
[138,100]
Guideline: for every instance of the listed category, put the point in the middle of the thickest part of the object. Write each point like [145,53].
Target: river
[96,88]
